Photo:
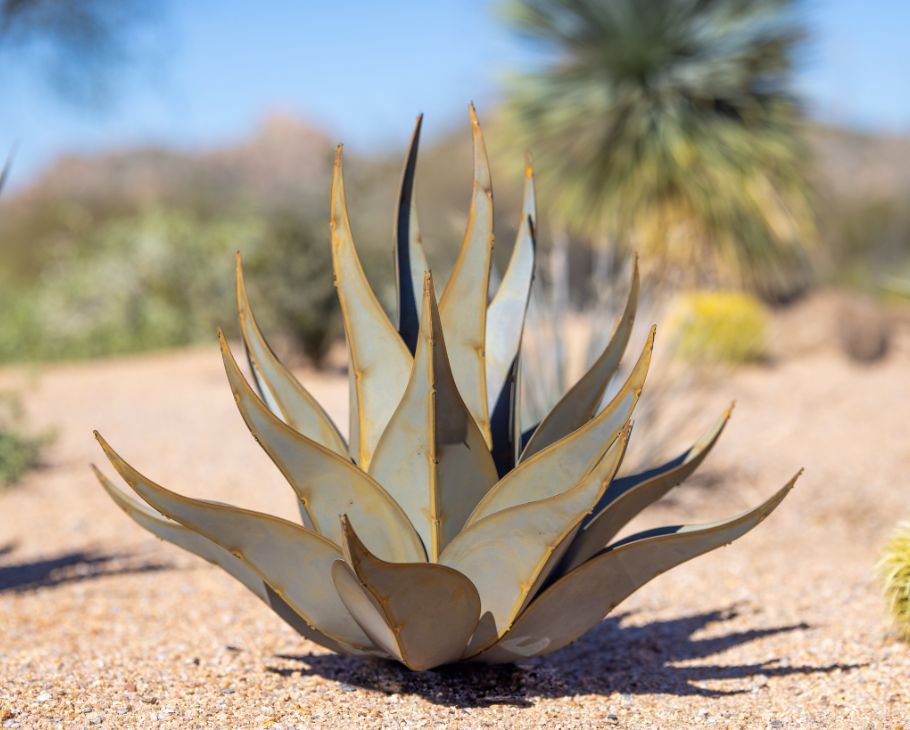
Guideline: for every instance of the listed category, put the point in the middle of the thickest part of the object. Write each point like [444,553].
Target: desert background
[135,172]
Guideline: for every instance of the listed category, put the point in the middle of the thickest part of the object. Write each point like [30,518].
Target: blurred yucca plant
[894,571]
[438,532]
[668,126]
[707,327]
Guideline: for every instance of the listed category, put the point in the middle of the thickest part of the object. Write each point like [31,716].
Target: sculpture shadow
[68,567]
[609,659]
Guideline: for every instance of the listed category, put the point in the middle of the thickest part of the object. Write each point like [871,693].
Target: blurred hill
[285,159]
[286,164]
[856,165]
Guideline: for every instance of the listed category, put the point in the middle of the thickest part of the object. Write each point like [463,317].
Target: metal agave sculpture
[439,533]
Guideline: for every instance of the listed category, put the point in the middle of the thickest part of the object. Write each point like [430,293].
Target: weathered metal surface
[176,534]
[294,561]
[579,600]
[628,496]
[281,391]
[326,484]
[463,307]
[506,313]
[432,457]
[507,554]
[380,361]
[410,259]
[561,465]
[423,613]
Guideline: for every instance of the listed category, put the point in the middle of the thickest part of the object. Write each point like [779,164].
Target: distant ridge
[853,164]
[285,159]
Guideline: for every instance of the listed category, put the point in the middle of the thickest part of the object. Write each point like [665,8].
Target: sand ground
[101,624]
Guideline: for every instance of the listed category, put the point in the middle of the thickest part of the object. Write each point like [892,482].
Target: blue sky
[362,69]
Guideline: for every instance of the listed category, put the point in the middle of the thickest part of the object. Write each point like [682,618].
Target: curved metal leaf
[463,307]
[294,561]
[423,613]
[410,259]
[578,405]
[568,460]
[507,555]
[580,599]
[506,313]
[281,391]
[432,457]
[176,534]
[628,496]
[380,362]
[326,484]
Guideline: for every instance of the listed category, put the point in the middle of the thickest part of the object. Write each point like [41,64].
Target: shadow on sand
[69,567]
[610,658]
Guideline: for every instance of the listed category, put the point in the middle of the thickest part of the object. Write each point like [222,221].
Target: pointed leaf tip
[581,598]
[463,305]
[630,495]
[380,360]
[324,481]
[410,259]
[282,393]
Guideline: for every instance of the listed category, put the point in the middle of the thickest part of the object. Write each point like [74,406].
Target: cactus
[710,327]
[438,532]
[894,571]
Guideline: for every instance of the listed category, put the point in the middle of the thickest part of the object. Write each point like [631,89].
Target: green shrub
[717,326]
[894,571]
[298,299]
[20,452]
[162,278]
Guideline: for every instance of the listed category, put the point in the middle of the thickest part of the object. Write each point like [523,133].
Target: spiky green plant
[670,126]
[438,533]
[894,571]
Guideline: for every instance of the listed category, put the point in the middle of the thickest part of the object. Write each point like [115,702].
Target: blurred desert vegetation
[683,144]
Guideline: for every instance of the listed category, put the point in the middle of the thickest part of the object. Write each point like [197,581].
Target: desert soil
[102,625]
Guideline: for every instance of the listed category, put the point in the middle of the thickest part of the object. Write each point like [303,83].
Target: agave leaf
[564,463]
[629,495]
[507,555]
[578,405]
[463,307]
[175,533]
[410,259]
[506,313]
[380,361]
[503,417]
[517,440]
[421,613]
[326,484]
[432,457]
[581,598]
[281,391]
[505,324]
[294,561]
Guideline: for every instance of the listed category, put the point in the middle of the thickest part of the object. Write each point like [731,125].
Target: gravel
[101,625]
